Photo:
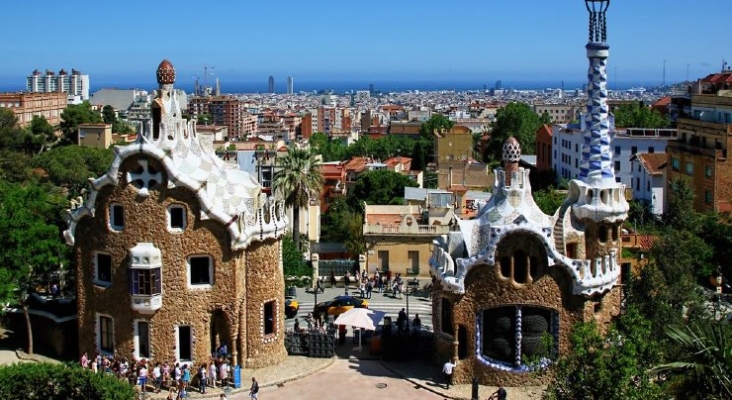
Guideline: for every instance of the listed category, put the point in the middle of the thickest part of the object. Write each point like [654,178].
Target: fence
[337,267]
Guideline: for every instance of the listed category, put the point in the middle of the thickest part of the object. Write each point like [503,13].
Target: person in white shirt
[157,374]
[447,372]
[142,377]
[212,374]
[224,373]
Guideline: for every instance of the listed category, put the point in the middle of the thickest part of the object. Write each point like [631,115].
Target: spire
[596,156]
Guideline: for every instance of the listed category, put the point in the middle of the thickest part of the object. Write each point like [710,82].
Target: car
[291,308]
[339,305]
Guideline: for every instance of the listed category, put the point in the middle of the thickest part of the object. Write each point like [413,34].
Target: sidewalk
[428,377]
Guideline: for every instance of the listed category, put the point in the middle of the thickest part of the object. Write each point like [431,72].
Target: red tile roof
[654,163]
[646,242]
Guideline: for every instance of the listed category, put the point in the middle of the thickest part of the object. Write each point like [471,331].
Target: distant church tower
[597,199]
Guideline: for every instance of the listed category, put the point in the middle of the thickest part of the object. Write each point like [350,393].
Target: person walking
[499,394]
[447,373]
[202,375]
[254,389]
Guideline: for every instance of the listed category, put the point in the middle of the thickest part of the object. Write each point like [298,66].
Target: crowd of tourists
[368,283]
[178,378]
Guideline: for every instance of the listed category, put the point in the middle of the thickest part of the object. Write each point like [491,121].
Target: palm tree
[705,361]
[298,179]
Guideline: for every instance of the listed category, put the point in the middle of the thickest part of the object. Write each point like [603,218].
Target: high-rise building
[290,85]
[271,84]
[76,84]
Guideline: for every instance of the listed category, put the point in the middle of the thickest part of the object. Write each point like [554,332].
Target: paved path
[345,378]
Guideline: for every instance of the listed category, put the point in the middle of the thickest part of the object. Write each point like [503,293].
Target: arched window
[446,316]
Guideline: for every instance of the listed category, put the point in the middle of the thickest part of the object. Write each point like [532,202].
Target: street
[419,303]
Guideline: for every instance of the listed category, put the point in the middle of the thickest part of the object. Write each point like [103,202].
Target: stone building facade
[176,252]
[511,283]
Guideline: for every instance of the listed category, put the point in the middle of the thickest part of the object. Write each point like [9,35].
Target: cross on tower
[144,177]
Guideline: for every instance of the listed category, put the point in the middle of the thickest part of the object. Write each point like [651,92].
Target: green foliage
[354,241]
[638,115]
[42,133]
[203,119]
[328,148]
[109,116]
[70,167]
[517,120]
[29,140]
[429,180]
[293,262]
[30,235]
[611,367]
[72,116]
[704,366]
[14,166]
[716,231]
[8,119]
[44,381]
[379,187]
[298,180]
[548,200]
[436,123]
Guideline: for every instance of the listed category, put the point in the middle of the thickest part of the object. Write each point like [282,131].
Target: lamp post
[719,292]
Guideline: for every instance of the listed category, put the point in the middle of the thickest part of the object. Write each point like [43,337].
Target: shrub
[44,381]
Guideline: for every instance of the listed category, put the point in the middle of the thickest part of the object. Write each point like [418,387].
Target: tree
[330,149]
[109,115]
[379,187]
[293,262]
[437,123]
[681,252]
[43,134]
[70,167]
[548,200]
[517,120]
[705,365]
[610,367]
[638,115]
[298,180]
[72,116]
[354,241]
[30,240]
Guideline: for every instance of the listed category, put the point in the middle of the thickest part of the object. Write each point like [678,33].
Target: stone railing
[404,229]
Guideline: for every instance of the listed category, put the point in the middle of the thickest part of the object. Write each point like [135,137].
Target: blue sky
[484,40]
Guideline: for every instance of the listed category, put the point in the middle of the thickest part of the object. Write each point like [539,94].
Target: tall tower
[271,84]
[290,85]
[597,200]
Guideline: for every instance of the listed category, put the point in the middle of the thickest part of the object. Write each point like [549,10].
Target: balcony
[405,229]
[145,304]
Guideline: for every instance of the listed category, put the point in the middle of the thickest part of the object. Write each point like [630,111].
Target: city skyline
[478,41]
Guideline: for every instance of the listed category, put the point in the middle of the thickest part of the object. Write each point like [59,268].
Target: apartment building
[223,110]
[649,180]
[74,84]
[567,141]
[705,135]
[559,113]
[27,105]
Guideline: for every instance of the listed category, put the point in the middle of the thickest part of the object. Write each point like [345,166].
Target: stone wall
[484,288]
[265,283]
[146,221]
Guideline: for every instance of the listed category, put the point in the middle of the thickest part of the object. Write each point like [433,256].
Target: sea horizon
[346,86]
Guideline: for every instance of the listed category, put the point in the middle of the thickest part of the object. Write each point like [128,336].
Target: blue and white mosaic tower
[597,200]
[596,157]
